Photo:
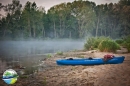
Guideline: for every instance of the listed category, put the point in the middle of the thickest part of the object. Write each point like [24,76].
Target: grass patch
[23,76]
[30,70]
[44,81]
[49,55]
[59,53]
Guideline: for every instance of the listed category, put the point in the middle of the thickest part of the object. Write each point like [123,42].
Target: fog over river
[23,48]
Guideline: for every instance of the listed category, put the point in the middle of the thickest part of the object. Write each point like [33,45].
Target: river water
[23,48]
[30,53]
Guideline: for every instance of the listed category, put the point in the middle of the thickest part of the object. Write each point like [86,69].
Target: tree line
[76,19]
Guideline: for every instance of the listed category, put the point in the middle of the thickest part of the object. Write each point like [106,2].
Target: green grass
[23,76]
[44,81]
[59,53]
[30,70]
[49,55]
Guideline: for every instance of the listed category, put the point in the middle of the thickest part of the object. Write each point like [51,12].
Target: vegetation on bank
[66,20]
[93,42]
[59,53]
[102,43]
[107,44]
[124,42]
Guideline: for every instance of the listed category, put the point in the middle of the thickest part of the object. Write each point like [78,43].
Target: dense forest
[77,19]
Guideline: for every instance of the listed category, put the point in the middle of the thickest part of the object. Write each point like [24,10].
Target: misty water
[23,48]
[29,53]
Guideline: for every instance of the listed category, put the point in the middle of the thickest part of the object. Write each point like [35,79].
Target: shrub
[89,43]
[126,42]
[119,41]
[108,46]
[127,39]
[128,47]
[99,39]
[93,42]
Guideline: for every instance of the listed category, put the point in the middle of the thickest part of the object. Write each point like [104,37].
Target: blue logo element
[10,76]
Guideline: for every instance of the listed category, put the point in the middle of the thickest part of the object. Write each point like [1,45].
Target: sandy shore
[98,75]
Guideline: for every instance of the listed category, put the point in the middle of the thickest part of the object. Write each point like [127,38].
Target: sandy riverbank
[98,75]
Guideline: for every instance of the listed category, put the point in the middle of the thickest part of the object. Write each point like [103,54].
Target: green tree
[85,15]
[13,12]
[32,18]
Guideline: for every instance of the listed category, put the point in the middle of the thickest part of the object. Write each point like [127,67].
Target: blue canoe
[93,61]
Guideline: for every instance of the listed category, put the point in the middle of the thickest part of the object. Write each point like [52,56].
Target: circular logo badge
[10,76]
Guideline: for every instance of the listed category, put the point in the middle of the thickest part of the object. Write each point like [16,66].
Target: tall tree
[53,18]
[13,12]
[85,15]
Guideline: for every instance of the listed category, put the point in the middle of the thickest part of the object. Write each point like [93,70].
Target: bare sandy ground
[98,75]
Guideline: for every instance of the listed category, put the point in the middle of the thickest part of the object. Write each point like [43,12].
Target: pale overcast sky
[49,3]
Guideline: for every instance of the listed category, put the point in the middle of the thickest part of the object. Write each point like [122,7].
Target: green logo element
[10,76]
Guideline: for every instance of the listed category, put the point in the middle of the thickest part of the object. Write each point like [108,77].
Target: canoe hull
[86,61]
